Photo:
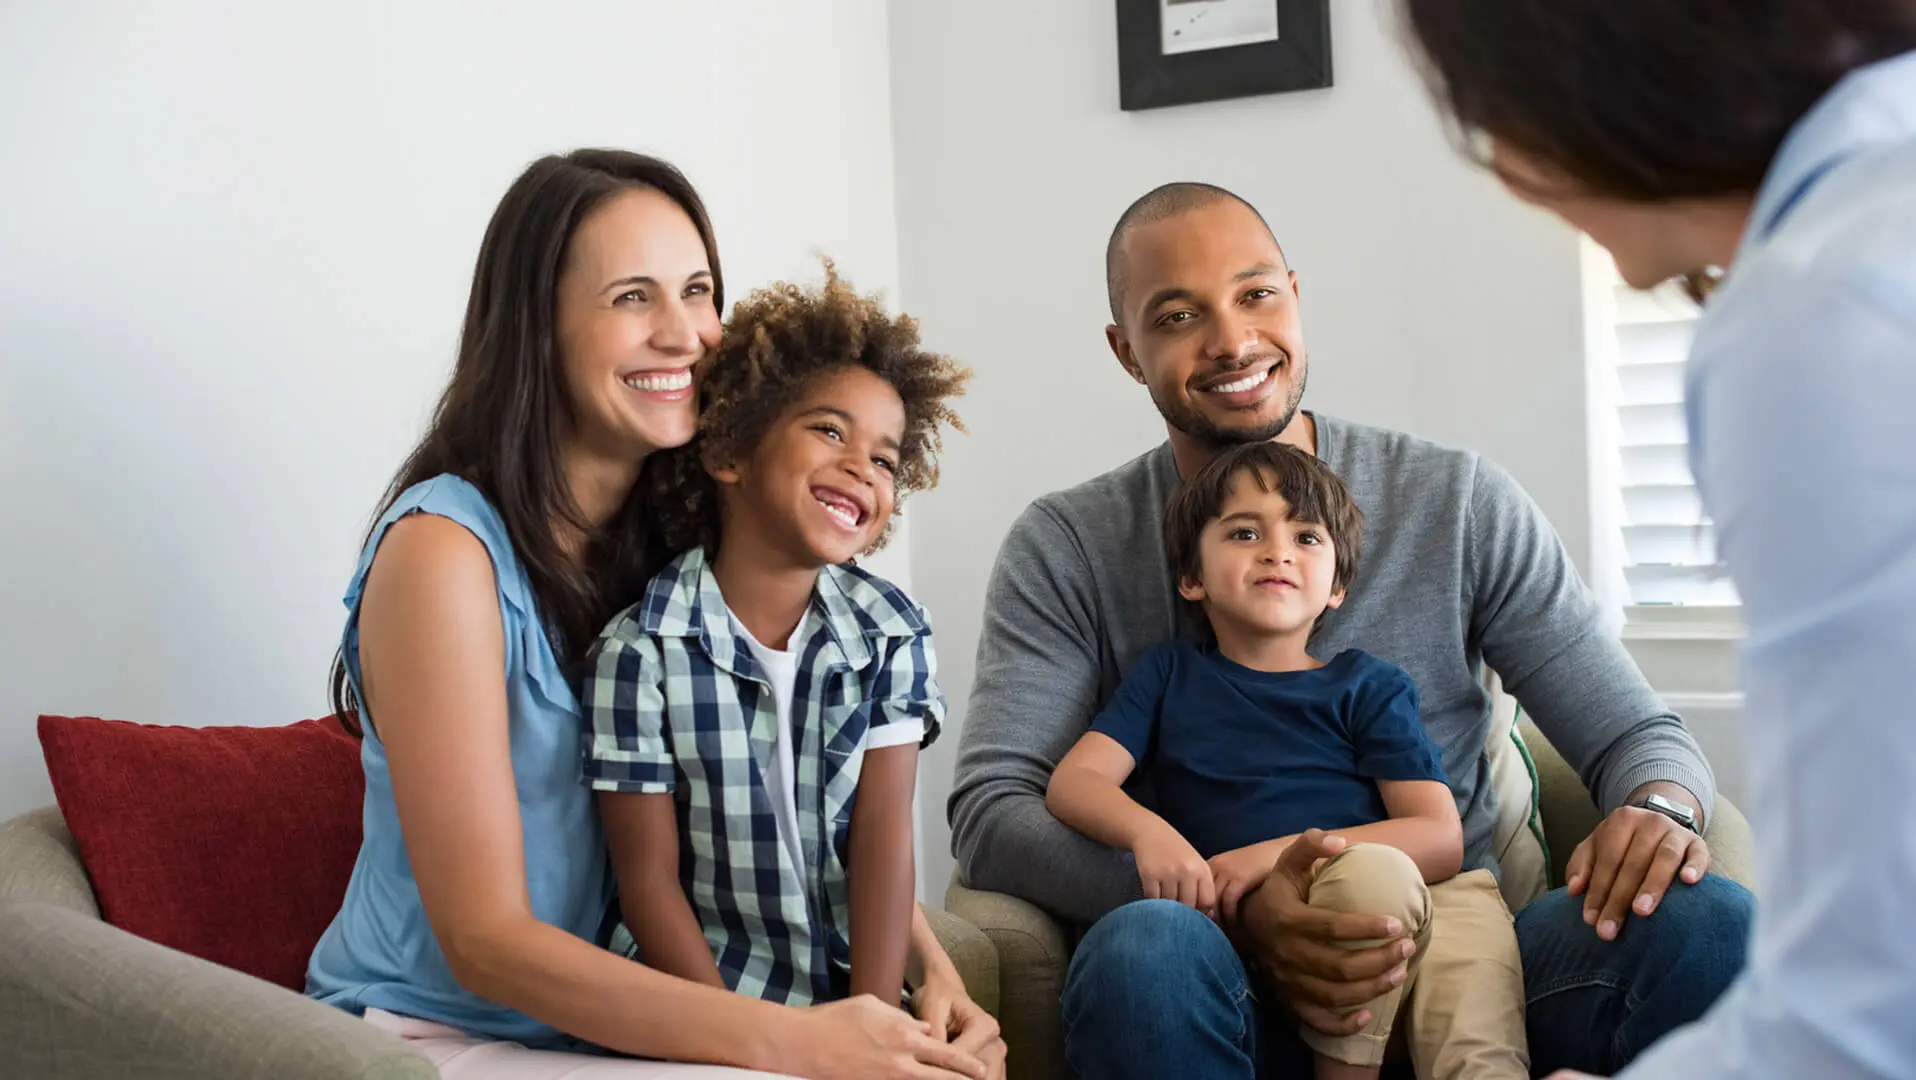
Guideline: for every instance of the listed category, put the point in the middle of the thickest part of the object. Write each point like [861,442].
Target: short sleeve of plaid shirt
[625,741]
[906,689]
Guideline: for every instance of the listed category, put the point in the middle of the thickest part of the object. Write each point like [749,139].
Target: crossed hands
[944,1006]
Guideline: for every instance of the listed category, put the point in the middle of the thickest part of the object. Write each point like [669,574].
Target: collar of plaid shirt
[851,606]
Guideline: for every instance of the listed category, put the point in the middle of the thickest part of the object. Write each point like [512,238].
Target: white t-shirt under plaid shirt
[678,703]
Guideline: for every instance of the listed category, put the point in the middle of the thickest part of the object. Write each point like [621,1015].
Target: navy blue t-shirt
[1236,756]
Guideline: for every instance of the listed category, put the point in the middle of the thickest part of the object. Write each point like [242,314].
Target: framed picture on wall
[1179,52]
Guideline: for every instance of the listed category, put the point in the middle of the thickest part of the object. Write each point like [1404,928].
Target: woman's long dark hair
[1648,100]
[502,419]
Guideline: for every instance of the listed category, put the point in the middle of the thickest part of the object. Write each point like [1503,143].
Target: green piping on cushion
[1536,796]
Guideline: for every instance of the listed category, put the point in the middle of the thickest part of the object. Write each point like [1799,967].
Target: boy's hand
[1171,869]
[1239,871]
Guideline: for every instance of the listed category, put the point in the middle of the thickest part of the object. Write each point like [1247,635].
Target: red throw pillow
[230,843]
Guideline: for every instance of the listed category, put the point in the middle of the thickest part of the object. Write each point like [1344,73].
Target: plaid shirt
[678,704]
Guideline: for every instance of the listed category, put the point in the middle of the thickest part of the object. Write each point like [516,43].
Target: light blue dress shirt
[1802,406]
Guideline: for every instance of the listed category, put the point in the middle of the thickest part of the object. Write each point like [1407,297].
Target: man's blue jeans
[1156,990]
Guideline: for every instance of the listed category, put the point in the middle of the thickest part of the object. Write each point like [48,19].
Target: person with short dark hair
[1770,147]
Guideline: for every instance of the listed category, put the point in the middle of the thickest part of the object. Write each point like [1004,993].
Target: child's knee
[1373,879]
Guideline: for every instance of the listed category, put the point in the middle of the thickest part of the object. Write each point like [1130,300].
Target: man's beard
[1187,418]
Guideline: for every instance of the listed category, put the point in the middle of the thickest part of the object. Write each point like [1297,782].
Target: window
[1656,532]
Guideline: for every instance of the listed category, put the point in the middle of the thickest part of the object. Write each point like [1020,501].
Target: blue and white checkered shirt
[678,704]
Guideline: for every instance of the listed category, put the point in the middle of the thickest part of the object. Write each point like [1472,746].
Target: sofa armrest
[971,953]
[1569,816]
[87,1001]
[1033,955]
[40,863]
[1732,844]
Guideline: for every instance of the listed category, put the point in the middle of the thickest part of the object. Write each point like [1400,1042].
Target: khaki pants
[1461,1002]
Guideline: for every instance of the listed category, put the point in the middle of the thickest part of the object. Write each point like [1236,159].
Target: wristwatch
[1671,809]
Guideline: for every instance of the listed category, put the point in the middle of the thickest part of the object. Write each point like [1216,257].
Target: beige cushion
[82,1000]
[1522,854]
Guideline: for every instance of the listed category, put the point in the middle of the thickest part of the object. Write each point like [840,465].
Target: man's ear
[1121,348]
[1190,588]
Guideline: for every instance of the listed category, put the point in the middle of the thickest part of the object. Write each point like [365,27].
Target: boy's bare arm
[1423,824]
[881,872]
[642,835]
[1085,793]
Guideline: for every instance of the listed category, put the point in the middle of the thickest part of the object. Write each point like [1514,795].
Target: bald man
[1460,568]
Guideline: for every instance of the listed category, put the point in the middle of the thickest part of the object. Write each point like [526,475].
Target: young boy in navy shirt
[1248,741]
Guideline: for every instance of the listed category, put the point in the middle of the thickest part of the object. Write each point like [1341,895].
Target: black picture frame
[1300,59]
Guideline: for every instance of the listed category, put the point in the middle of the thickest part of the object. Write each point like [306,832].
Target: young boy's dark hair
[776,342]
[1316,496]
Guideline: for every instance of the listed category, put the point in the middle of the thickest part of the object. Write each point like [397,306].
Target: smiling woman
[474,924]
[539,416]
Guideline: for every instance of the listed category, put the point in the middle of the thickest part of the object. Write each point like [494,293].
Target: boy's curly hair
[776,343]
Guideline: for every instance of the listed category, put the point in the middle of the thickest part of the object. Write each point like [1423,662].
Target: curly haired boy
[755,719]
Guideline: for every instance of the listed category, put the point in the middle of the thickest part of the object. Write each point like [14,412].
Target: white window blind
[1669,546]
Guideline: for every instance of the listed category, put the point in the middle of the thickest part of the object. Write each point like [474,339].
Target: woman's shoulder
[449,496]
[445,527]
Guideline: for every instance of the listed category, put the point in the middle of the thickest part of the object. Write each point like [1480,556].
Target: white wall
[1433,302]
[235,241]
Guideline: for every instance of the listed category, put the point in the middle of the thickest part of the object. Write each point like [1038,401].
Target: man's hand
[1572,1074]
[1298,945]
[1171,869]
[1239,871]
[1627,865]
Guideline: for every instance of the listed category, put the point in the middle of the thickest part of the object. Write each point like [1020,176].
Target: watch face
[1676,811]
